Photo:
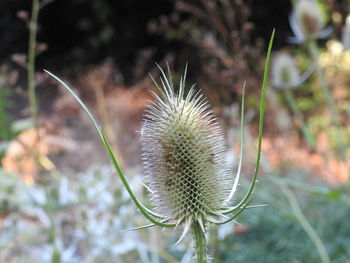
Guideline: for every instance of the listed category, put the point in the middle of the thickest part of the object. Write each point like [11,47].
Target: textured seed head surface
[309,18]
[183,152]
[284,71]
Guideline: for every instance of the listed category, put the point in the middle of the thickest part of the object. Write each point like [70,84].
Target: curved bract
[146,212]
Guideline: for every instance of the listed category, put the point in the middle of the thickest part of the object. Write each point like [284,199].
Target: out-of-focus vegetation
[272,234]
[62,203]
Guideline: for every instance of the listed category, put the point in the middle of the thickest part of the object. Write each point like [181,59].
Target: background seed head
[183,152]
[284,71]
[309,18]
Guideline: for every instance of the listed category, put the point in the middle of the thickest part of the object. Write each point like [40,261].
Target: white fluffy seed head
[183,153]
[309,18]
[284,72]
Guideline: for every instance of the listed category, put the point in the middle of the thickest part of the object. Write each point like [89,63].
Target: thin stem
[53,232]
[200,243]
[297,113]
[234,187]
[313,49]
[310,231]
[261,122]
[214,245]
[33,27]
[149,215]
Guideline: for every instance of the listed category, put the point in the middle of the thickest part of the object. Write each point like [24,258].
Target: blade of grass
[304,223]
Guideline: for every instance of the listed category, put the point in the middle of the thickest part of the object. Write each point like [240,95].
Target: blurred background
[60,199]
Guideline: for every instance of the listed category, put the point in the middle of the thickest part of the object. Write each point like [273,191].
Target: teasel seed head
[309,18]
[184,155]
[284,71]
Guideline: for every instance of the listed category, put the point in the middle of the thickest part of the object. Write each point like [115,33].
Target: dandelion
[307,21]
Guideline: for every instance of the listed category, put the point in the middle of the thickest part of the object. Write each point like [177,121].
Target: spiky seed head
[284,71]
[346,34]
[309,18]
[183,153]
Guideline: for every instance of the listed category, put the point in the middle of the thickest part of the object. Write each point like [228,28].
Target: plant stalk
[33,27]
[297,113]
[310,231]
[200,243]
[314,51]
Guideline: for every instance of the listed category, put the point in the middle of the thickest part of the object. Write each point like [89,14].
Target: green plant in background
[5,131]
[181,138]
[308,24]
[35,220]
[33,28]
[276,229]
[285,76]
[9,128]
[302,220]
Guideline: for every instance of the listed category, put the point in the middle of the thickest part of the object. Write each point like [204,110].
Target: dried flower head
[307,21]
[284,71]
[309,18]
[184,155]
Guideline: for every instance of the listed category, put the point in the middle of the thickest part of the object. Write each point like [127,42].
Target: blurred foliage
[66,221]
[5,92]
[90,32]
[94,30]
[81,220]
[274,235]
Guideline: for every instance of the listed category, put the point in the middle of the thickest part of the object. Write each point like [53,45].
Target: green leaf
[261,122]
[147,213]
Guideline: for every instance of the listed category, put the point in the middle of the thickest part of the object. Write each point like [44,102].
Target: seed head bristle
[183,152]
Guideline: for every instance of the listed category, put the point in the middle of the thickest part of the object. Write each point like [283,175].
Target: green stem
[314,51]
[200,243]
[310,231]
[33,26]
[146,212]
[323,82]
[296,112]
[56,255]
[215,244]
